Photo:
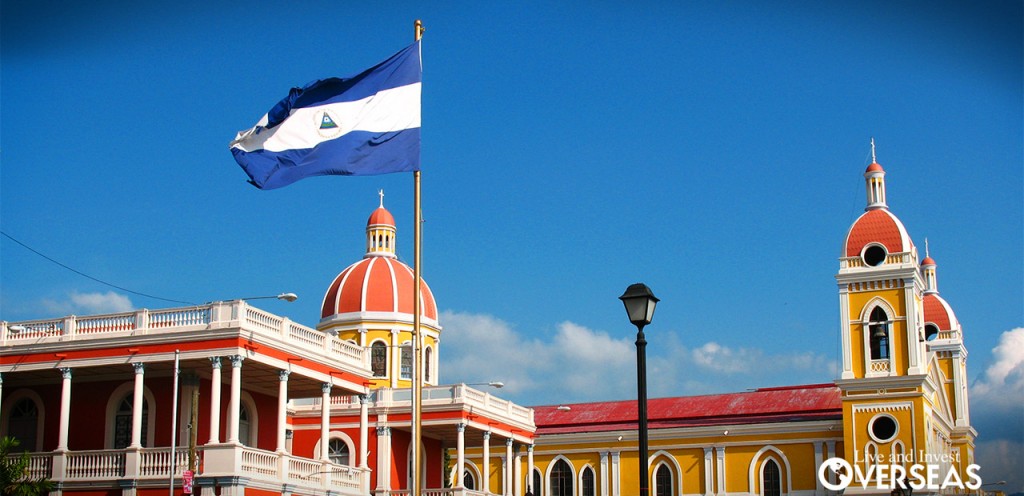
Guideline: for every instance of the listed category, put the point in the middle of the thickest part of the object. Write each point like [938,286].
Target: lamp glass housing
[640,303]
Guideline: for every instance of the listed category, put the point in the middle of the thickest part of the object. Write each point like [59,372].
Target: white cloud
[580,364]
[997,412]
[89,303]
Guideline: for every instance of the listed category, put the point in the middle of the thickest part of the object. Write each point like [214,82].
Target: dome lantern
[875,178]
[380,232]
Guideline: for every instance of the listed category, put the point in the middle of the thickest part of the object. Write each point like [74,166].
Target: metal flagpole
[417,384]
[174,426]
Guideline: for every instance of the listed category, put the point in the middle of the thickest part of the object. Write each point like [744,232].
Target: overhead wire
[33,250]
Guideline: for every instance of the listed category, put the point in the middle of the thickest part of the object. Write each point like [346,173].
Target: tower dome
[877,232]
[938,315]
[379,287]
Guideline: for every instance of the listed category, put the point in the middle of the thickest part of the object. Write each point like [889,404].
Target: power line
[33,250]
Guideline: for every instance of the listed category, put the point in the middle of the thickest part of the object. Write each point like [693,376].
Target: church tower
[370,304]
[903,360]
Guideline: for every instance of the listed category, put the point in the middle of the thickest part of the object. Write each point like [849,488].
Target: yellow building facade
[900,399]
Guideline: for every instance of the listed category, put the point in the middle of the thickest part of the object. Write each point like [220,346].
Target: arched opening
[560,479]
[878,327]
[244,425]
[771,479]
[337,452]
[663,480]
[537,487]
[587,487]
[379,359]
[23,424]
[406,362]
[468,480]
[931,331]
[123,421]
[428,356]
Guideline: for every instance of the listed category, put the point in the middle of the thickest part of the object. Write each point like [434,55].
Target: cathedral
[227,399]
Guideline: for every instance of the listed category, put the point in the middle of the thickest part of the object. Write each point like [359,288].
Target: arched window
[123,422]
[771,479]
[337,452]
[561,479]
[468,481]
[23,424]
[244,425]
[427,356]
[537,487]
[931,331]
[406,362]
[879,329]
[379,359]
[587,482]
[663,481]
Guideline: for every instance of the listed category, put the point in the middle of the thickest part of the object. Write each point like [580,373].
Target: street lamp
[640,303]
[493,384]
[289,297]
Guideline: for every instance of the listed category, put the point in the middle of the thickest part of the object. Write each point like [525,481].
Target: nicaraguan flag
[360,125]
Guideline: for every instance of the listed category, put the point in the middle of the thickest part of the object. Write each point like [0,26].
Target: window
[23,424]
[663,481]
[244,425]
[561,479]
[406,362]
[468,481]
[878,328]
[874,255]
[379,359]
[337,452]
[771,479]
[123,422]
[587,482]
[426,364]
[883,428]
[537,487]
[931,331]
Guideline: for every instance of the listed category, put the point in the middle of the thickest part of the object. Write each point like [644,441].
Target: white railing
[259,462]
[39,465]
[218,315]
[101,464]
[903,257]
[157,462]
[880,365]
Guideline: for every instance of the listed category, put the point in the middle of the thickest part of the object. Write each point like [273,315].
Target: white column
[720,468]
[395,362]
[604,473]
[485,485]
[235,404]
[914,346]
[282,409]
[616,490]
[844,330]
[65,409]
[517,471]
[507,475]
[325,420]
[709,478]
[1,388]
[529,469]
[215,401]
[137,400]
[460,455]
[831,447]
[383,459]
[364,427]
[818,460]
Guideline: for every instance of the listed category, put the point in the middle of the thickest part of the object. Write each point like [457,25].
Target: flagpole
[417,383]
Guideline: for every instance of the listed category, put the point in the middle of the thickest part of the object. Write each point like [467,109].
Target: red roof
[784,404]
[877,226]
[928,261]
[376,284]
[938,312]
[874,167]
[380,216]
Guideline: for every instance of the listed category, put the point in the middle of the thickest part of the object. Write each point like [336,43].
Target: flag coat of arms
[361,125]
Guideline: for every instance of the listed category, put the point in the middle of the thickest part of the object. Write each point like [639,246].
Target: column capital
[65,372]
[215,362]
[325,388]
[364,399]
[282,375]
[529,448]
[487,435]
[139,367]
[460,427]
[383,431]
[508,441]
[236,361]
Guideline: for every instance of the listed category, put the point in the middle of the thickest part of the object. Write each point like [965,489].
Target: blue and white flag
[360,125]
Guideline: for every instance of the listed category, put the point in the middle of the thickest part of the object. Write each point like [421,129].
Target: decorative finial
[873,160]
[380,192]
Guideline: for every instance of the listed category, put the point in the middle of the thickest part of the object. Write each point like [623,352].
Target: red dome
[927,260]
[376,284]
[380,216]
[874,167]
[938,312]
[877,226]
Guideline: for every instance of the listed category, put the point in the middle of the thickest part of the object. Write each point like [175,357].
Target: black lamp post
[640,303]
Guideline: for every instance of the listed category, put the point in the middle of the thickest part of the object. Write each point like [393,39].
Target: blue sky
[712,150]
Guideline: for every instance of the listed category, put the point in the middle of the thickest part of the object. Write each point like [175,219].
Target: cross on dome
[380,192]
